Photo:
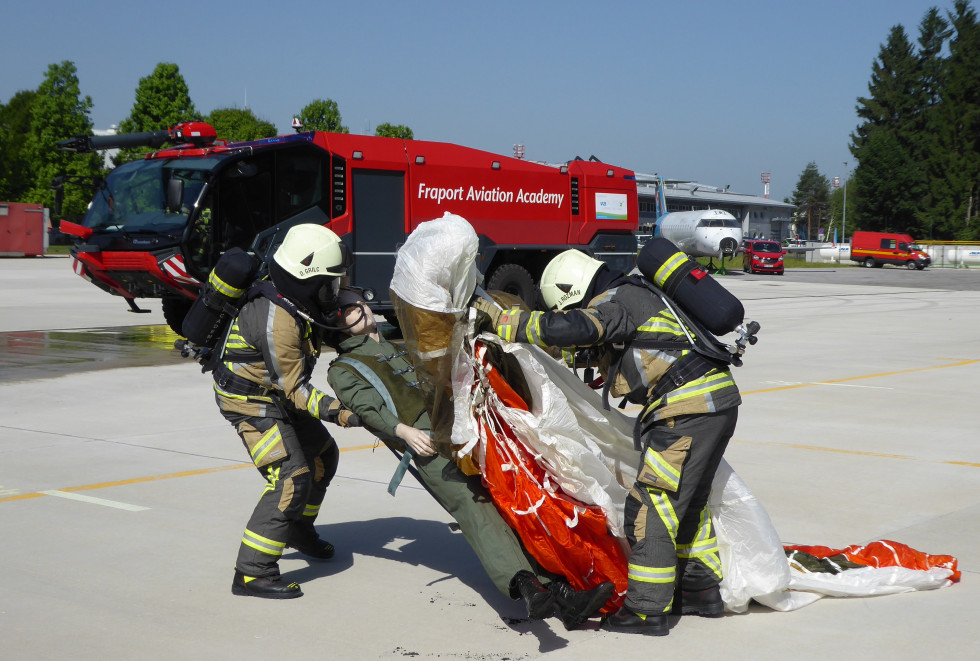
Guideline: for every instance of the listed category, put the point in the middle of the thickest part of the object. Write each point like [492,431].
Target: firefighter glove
[487,314]
[339,415]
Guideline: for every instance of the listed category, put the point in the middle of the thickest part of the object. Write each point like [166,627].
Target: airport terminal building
[761,217]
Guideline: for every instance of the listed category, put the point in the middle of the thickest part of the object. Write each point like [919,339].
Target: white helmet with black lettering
[308,266]
[567,277]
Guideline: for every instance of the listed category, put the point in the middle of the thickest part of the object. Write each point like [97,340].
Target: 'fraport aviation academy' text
[484,194]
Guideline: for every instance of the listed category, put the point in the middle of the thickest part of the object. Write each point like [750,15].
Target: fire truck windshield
[133,197]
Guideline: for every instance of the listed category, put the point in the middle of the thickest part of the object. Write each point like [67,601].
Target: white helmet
[567,277]
[311,250]
[308,266]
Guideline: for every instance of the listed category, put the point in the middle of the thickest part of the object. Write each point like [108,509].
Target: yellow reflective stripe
[223,287]
[670,475]
[242,398]
[668,268]
[533,329]
[235,339]
[665,511]
[262,544]
[651,574]
[704,547]
[661,326]
[705,384]
[267,442]
[311,510]
[508,330]
[313,403]
[271,476]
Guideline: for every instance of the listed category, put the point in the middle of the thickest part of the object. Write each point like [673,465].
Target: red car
[762,256]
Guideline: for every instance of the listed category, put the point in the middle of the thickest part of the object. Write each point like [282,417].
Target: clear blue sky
[715,91]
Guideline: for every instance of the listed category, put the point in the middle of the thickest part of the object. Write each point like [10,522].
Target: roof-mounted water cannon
[198,134]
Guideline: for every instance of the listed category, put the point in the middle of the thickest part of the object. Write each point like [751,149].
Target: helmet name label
[571,294]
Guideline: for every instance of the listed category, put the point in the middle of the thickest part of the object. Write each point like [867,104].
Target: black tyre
[175,308]
[869,263]
[911,266]
[513,279]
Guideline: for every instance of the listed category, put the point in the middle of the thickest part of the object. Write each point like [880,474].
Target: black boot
[576,606]
[267,587]
[706,603]
[628,621]
[540,601]
[303,538]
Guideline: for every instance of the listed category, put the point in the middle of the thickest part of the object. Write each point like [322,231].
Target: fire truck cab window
[261,191]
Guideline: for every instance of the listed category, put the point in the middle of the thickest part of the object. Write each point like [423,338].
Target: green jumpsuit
[467,501]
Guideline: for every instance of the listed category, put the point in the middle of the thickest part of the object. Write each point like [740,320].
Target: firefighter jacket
[623,323]
[266,363]
[375,380]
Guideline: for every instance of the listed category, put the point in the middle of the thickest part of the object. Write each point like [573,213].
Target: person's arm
[360,397]
[565,328]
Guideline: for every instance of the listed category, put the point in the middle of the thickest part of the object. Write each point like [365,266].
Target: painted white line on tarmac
[849,385]
[95,501]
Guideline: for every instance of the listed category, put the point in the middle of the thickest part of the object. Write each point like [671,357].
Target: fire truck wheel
[174,310]
[513,279]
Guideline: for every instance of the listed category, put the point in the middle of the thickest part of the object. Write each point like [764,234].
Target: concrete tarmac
[123,493]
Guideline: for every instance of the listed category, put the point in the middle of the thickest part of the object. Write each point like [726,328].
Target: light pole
[843,230]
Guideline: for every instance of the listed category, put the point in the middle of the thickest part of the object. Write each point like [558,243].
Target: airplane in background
[701,233]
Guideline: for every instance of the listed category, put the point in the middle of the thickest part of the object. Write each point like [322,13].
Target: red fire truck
[157,226]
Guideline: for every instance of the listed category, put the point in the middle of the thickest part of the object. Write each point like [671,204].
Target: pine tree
[933,33]
[888,181]
[960,134]
[812,200]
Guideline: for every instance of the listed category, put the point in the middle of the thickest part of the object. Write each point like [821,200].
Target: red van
[762,256]
[875,249]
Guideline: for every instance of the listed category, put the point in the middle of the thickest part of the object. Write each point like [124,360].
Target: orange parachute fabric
[565,536]
[884,553]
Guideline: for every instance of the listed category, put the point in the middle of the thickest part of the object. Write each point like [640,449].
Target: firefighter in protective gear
[375,380]
[262,387]
[682,429]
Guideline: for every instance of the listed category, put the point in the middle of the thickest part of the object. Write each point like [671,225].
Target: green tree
[387,130]
[959,129]
[237,125]
[812,200]
[322,115]
[162,101]
[934,30]
[60,112]
[890,178]
[15,122]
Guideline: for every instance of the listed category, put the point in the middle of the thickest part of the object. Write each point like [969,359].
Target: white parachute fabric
[752,557]
[585,450]
[436,267]
[588,451]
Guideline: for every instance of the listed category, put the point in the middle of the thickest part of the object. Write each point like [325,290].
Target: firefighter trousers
[297,456]
[667,521]
[465,498]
